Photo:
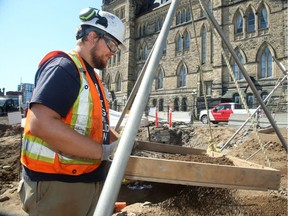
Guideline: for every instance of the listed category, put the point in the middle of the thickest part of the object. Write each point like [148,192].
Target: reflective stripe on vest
[39,156]
[44,151]
[34,150]
[77,122]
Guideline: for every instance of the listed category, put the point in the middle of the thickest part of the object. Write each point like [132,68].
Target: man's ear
[91,37]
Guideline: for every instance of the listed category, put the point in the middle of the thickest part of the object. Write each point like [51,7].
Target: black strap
[106,127]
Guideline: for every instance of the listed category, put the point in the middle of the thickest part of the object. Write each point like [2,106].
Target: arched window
[110,103]
[160,77]
[183,19]
[266,64]
[158,25]
[201,12]
[140,53]
[250,100]
[154,102]
[122,13]
[119,56]
[238,24]
[251,21]
[208,87]
[161,103]
[179,46]
[189,17]
[237,73]
[212,47]
[209,5]
[176,104]
[108,82]
[178,18]
[140,31]
[264,95]
[118,83]
[187,41]
[182,76]
[115,105]
[165,48]
[263,18]
[144,30]
[145,53]
[203,45]
[236,98]
[184,104]
[114,60]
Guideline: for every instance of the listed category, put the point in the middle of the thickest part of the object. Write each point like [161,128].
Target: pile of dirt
[178,200]
[191,200]
[187,157]
[156,198]
[188,135]
[9,155]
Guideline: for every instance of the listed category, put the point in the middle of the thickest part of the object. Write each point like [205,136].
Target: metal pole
[282,68]
[133,92]
[245,73]
[117,170]
[258,151]
[267,98]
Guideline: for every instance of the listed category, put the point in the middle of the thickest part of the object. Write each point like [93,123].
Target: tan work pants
[59,198]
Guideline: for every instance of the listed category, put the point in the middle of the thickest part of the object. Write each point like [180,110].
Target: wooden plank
[239,162]
[201,174]
[244,163]
[166,148]
[267,130]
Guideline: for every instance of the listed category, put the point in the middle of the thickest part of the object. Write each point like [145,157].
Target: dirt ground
[150,198]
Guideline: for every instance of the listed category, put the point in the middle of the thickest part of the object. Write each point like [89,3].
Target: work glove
[108,150]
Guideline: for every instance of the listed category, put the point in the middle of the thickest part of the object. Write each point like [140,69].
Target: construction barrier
[170,116]
[156,117]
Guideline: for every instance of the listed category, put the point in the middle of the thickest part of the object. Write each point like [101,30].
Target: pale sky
[31,28]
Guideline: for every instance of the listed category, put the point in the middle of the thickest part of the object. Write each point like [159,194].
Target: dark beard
[98,63]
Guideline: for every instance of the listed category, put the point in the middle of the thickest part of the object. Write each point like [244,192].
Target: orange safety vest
[39,156]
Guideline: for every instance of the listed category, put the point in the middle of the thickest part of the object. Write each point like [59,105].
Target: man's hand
[108,150]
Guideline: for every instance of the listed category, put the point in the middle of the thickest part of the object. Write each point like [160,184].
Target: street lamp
[194,95]
[124,98]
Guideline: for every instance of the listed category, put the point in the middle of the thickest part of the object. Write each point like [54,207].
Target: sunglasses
[112,45]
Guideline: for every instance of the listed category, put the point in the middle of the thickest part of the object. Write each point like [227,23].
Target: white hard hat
[105,21]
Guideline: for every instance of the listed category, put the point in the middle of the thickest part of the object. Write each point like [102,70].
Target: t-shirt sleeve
[57,85]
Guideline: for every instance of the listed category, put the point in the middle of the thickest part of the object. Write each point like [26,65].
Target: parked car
[221,112]
[8,105]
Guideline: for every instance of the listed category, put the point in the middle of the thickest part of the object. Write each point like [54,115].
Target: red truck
[221,112]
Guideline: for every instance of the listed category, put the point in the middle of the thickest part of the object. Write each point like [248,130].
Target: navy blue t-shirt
[57,85]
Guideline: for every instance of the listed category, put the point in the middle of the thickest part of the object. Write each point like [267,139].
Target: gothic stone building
[257,30]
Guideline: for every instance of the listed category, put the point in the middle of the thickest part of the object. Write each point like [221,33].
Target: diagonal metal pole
[133,92]
[117,170]
[282,68]
[244,72]
[266,99]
